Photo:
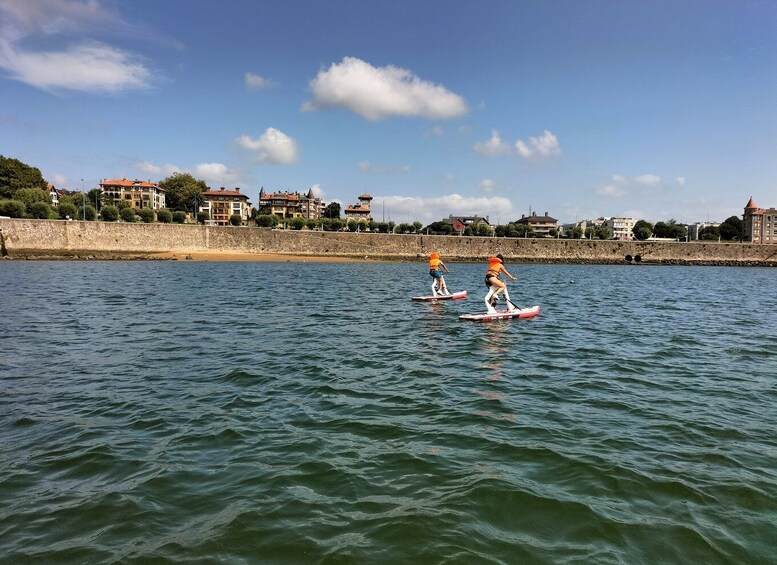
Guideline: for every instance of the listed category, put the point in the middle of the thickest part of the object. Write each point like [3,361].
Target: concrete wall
[53,238]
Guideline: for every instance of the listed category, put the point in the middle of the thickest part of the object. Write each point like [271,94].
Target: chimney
[546,214]
[237,189]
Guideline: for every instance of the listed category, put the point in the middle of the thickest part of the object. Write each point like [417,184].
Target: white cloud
[367,167]
[540,147]
[60,180]
[620,179]
[680,180]
[375,93]
[213,173]
[612,190]
[273,147]
[160,171]
[88,66]
[494,146]
[436,131]
[487,184]
[317,190]
[648,180]
[428,210]
[256,82]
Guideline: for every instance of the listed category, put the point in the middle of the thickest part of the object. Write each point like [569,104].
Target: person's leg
[489,307]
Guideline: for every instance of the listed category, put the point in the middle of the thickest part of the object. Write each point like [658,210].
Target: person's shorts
[436,274]
[487,280]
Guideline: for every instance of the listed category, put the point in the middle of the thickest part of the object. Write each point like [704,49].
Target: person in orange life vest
[436,267]
[494,283]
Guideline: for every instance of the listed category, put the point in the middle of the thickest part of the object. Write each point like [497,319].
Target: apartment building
[360,211]
[621,227]
[140,194]
[540,224]
[291,204]
[222,204]
[759,224]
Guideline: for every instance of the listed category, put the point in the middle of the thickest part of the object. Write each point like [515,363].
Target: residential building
[621,227]
[291,204]
[759,224]
[540,224]
[222,204]
[54,195]
[360,211]
[140,194]
[460,223]
[694,229]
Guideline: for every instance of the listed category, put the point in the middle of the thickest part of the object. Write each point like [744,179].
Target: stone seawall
[57,238]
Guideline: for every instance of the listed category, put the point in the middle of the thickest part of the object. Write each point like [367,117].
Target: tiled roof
[233,193]
[130,183]
[750,204]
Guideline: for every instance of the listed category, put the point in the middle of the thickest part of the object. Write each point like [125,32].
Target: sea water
[311,413]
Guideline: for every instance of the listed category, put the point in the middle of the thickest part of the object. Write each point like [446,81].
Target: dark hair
[499,256]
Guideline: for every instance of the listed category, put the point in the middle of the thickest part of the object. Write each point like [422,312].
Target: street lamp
[83,198]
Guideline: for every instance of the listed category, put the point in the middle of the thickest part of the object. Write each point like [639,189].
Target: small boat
[502,315]
[454,296]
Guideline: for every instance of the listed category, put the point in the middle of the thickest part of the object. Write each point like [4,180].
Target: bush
[147,215]
[12,208]
[91,213]
[109,213]
[123,205]
[297,223]
[266,221]
[179,217]
[235,219]
[127,214]
[165,216]
[66,209]
[32,195]
[40,210]
[203,217]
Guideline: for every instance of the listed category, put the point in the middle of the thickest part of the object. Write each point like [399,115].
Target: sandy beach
[275,257]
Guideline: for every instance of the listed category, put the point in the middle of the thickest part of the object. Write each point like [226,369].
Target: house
[222,204]
[759,224]
[540,224]
[54,195]
[460,223]
[140,194]
[621,227]
[291,204]
[360,211]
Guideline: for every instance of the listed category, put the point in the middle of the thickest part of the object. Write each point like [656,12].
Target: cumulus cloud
[367,167]
[157,170]
[274,147]
[680,180]
[375,93]
[427,210]
[317,191]
[494,146]
[85,65]
[487,184]
[540,147]
[648,180]
[612,190]
[256,82]
[213,173]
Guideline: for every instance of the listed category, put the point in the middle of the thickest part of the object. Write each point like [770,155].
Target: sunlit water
[311,413]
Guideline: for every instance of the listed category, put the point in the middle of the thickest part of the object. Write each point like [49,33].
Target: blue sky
[657,110]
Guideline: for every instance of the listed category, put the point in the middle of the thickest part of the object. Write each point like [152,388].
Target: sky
[654,109]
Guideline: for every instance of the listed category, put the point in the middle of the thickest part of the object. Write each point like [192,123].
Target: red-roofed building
[222,204]
[139,193]
[759,224]
[291,204]
[360,211]
[540,224]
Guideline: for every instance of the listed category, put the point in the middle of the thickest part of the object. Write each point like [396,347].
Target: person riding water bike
[436,267]
[494,283]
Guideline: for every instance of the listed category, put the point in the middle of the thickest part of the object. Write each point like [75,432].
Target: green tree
[108,213]
[267,220]
[332,210]
[236,220]
[15,175]
[40,210]
[311,224]
[297,223]
[182,191]
[123,205]
[127,214]
[32,195]
[417,226]
[164,216]
[67,210]
[439,228]
[203,217]
[709,233]
[179,216]
[89,213]
[731,228]
[604,233]
[95,198]
[642,230]
[12,208]
[147,215]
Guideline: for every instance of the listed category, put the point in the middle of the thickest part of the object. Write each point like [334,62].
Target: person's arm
[508,273]
[444,266]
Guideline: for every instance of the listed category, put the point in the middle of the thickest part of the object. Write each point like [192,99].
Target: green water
[311,413]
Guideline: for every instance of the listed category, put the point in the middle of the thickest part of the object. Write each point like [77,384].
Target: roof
[131,183]
[232,193]
[365,197]
[750,204]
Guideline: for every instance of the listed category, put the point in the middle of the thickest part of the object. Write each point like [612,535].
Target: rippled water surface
[311,413]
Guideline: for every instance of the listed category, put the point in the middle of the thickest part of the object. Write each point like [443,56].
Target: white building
[621,228]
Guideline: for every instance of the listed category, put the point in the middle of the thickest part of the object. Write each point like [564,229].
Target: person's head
[499,256]
[434,255]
